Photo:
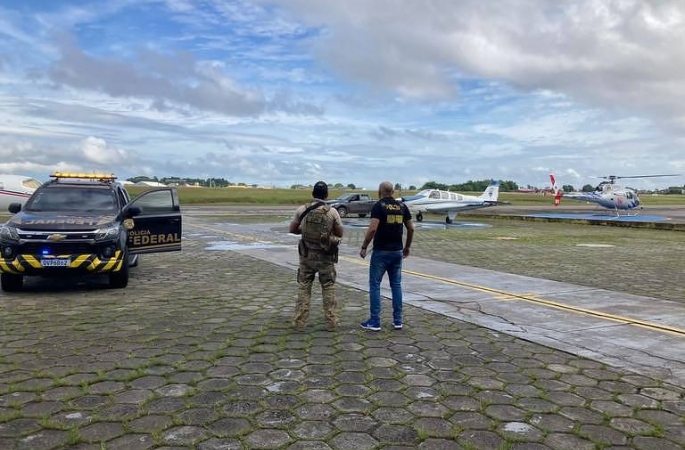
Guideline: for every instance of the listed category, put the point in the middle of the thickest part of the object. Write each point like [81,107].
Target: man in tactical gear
[321,230]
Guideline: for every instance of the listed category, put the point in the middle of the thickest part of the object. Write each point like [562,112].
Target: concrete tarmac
[674,214]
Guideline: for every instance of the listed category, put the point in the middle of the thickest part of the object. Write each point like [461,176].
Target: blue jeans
[385,261]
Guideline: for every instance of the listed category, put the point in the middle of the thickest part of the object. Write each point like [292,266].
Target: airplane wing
[450,207]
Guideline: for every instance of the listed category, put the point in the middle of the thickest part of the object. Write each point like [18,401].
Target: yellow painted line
[530,298]
[498,293]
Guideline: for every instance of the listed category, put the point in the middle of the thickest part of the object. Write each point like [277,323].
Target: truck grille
[62,248]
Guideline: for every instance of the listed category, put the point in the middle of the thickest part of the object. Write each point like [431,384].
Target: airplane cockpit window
[31,183]
[434,194]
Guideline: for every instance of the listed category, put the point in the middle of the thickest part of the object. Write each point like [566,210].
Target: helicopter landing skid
[617,212]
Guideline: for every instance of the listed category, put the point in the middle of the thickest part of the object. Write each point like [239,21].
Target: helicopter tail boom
[557,192]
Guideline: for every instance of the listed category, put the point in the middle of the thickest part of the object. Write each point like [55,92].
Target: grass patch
[260,196]
[280,197]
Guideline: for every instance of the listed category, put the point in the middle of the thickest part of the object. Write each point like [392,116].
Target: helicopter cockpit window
[604,187]
[629,195]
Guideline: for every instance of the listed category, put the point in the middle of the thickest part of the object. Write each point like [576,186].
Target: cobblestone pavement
[198,353]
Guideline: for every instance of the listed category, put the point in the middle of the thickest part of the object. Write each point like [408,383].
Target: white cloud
[607,53]
[284,92]
[96,151]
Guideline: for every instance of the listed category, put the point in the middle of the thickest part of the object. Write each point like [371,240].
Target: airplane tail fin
[557,192]
[491,193]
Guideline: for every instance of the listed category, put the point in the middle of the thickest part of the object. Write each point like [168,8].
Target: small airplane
[607,194]
[449,203]
[15,189]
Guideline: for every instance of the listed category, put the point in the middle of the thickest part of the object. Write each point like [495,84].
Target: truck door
[158,226]
[354,204]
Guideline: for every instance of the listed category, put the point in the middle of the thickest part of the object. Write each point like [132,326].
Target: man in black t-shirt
[389,218]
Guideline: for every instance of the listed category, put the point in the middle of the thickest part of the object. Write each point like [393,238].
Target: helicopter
[607,194]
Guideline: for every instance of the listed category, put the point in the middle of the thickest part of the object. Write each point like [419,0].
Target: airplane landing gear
[448,220]
[419,217]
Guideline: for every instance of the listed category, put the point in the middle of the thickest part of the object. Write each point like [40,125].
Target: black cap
[320,190]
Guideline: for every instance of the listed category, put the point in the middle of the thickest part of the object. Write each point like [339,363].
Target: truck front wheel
[11,282]
[119,280]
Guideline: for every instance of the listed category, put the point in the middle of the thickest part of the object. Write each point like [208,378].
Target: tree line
[469,186]
[206,182]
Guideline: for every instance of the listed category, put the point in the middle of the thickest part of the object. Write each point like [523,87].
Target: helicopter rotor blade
[653,176]
[613,178]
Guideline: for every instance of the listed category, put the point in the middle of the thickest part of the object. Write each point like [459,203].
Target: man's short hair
[320,190]
[385,189]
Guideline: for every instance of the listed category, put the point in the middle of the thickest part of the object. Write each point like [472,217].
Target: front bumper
[29,264]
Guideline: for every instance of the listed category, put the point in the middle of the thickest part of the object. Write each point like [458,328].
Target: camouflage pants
[316,262]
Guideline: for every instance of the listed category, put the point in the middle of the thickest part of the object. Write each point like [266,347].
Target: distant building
[150,184]
[177,182]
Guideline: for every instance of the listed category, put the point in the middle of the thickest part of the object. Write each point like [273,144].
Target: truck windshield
[345,197]
[72,200]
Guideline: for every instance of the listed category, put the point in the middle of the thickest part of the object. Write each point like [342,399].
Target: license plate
[56,262]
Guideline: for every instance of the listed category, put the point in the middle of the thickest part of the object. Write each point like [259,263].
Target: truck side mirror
[14,208]
[132,211]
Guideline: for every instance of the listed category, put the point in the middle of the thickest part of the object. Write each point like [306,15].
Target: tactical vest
[316,228]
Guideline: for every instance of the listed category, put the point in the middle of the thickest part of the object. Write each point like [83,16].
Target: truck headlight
[7,251]
[104,234]
[8,233]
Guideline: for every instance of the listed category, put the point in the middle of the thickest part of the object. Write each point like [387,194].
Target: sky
[283,92]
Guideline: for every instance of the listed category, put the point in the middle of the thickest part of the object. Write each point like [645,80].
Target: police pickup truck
[86,224]
[353,203]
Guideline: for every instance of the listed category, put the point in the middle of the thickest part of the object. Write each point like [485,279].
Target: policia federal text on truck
[86,224]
